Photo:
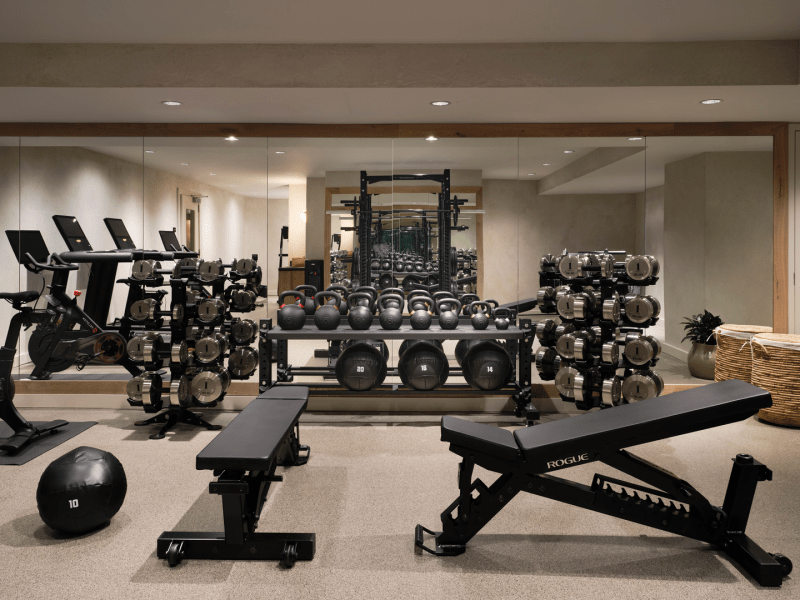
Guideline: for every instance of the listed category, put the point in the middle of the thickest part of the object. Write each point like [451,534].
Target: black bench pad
[285,392]
[251,440]
[658,418]
[480,437]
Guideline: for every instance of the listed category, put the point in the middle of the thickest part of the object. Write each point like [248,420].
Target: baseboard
[674,351]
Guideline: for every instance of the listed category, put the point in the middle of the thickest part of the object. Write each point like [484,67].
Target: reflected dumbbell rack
[599,354]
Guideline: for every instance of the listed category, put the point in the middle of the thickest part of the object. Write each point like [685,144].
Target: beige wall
[9,218]
[718,240]
[297,226]
[653,242]
[278,217]
[316,244]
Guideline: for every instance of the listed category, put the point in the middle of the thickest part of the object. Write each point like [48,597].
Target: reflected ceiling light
[634,139]
[440,103]
[431,138]
[531,174]
[569,151]
[545,164]
[212,173]
[280,152]
[184,164]
[149,151]
[711,101]
[171,103]
[231,138]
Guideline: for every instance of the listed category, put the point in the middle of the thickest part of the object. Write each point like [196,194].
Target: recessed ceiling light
[711,101]
[545,164]
[634,139]
[184,164]
[280,152]
[569,151]
[231,138]
[149,151]
[431,138]
[440,103]
[531,174]
[171,103]
[212,173]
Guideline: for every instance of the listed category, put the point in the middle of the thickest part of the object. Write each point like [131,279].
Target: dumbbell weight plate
[640,268]
[208,349]
[210,309]
[244,266]
[641,385]
[144,269]
[143,310]
[178,312]
[244,331]
[566,306]
[565,381]
[210,270]
[611,392]
[582,348]
[546,263]
[193,296]
[243,361]
[179,392]
[642,350]
[208,386]
[546,330]
[545,295]
[639,309]
[139,347]
[611,309]
[545,358]
[563,329]
[582,388]
[570,266]
[145,388]
[583,304]
[606,266]
[609,353]
[243,299]
[180,353]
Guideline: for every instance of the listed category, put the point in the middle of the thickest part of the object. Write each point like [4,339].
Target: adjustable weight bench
[244,456]
[525,457]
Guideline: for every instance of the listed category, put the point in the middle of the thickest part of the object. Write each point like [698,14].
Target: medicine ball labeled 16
[81,491]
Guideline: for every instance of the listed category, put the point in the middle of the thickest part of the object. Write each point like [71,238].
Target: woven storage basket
[734,357]
[776,368]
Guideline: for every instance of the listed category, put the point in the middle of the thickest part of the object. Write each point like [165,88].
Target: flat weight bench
[524,456]
[243,456]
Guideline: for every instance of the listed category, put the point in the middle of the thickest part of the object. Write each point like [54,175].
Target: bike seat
[23,297]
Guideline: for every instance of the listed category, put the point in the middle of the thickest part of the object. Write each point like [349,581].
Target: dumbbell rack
[519,341]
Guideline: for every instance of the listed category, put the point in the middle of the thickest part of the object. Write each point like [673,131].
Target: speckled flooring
[364,489]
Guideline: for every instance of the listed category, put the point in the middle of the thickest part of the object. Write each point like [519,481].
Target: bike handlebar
[54,263]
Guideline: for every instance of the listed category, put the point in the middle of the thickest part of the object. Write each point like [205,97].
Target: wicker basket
[776,368]
[734,357]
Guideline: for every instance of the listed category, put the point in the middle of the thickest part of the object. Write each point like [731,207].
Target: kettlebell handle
[495,302]
[339,289]
[442,294]
[413,302]
[392,291]
[309,288]
[294,293]
[337,298]
[473,307]
[448,301]
[418,294]
[368,289]
[504,313]
[359,296]
[382,301]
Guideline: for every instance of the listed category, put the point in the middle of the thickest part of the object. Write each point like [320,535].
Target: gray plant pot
[702,358]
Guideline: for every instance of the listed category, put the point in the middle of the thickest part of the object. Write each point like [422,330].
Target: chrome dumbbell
[547,263]
[642,385]
[583,304]
[243,299]
[611,309]
[641,349]
[611,391]
[570,266]
[566,306]
[146,309]
[606,266]
[564,329]
[210,270]
[210,310]
[609,353]
[243,361]
[545,360]
[546,297]
[641,267]
[546,331]
[565,380]
[179,391]
[640,309]
[245,266]
[244,331]
[208,386]
[585,341]
[210,348]
[146,388]
[145,269]
[144,348]
[582,387]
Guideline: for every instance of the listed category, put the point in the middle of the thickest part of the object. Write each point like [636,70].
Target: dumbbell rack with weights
[599,355]
[517,341]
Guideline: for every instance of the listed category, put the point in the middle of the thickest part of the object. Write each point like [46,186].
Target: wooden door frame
[778,130]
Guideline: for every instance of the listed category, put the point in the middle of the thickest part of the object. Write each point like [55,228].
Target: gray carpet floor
[365,488]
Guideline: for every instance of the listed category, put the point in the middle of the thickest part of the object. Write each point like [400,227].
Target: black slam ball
[81,491]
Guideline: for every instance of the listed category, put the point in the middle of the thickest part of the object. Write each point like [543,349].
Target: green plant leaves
[700,328]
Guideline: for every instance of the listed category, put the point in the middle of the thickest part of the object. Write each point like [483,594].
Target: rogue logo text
[572,460]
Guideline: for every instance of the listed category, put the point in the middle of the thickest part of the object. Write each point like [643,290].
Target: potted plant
[703,355]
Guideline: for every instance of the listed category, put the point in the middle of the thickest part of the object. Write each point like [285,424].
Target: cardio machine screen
[72,232]
[170,241]
[120,234]
[30,242]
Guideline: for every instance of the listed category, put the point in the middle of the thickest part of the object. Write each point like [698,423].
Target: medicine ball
[408,343]
[361,367]
[486,366]
[462,346]
[423,366]
[81,491]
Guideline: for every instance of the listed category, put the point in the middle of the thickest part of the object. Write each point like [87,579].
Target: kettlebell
[292,316]
[439,295]
[310,291]
[360,317]
[344,293]
[326,316]
[480,319]
[391,316]
[448,317]
[466,300]
[502,318]
[369,290]
[386,265]
[393,291]
[420,311]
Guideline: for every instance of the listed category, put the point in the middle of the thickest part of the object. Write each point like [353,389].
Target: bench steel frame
[243,496]
[674,506]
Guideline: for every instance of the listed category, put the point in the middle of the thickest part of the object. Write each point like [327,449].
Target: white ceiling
[251,167]
[471,105]
[390,21]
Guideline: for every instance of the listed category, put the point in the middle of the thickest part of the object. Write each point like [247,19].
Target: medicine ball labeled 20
[361,366]
[81,491]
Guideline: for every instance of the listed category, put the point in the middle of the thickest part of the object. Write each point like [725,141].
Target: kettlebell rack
[518,338]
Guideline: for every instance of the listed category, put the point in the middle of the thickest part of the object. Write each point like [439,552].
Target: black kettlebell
[480,319]
[386,265]
[292,316]
[343,292]
[391,315]
[394,291]
[408,267]
[502,318]
[419,267]
[439,295]
[369,290]
[399,266]
[466,300]
[448,317]
[359,316]
[375,264]
[326,316]
[310,291]
[420,310]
